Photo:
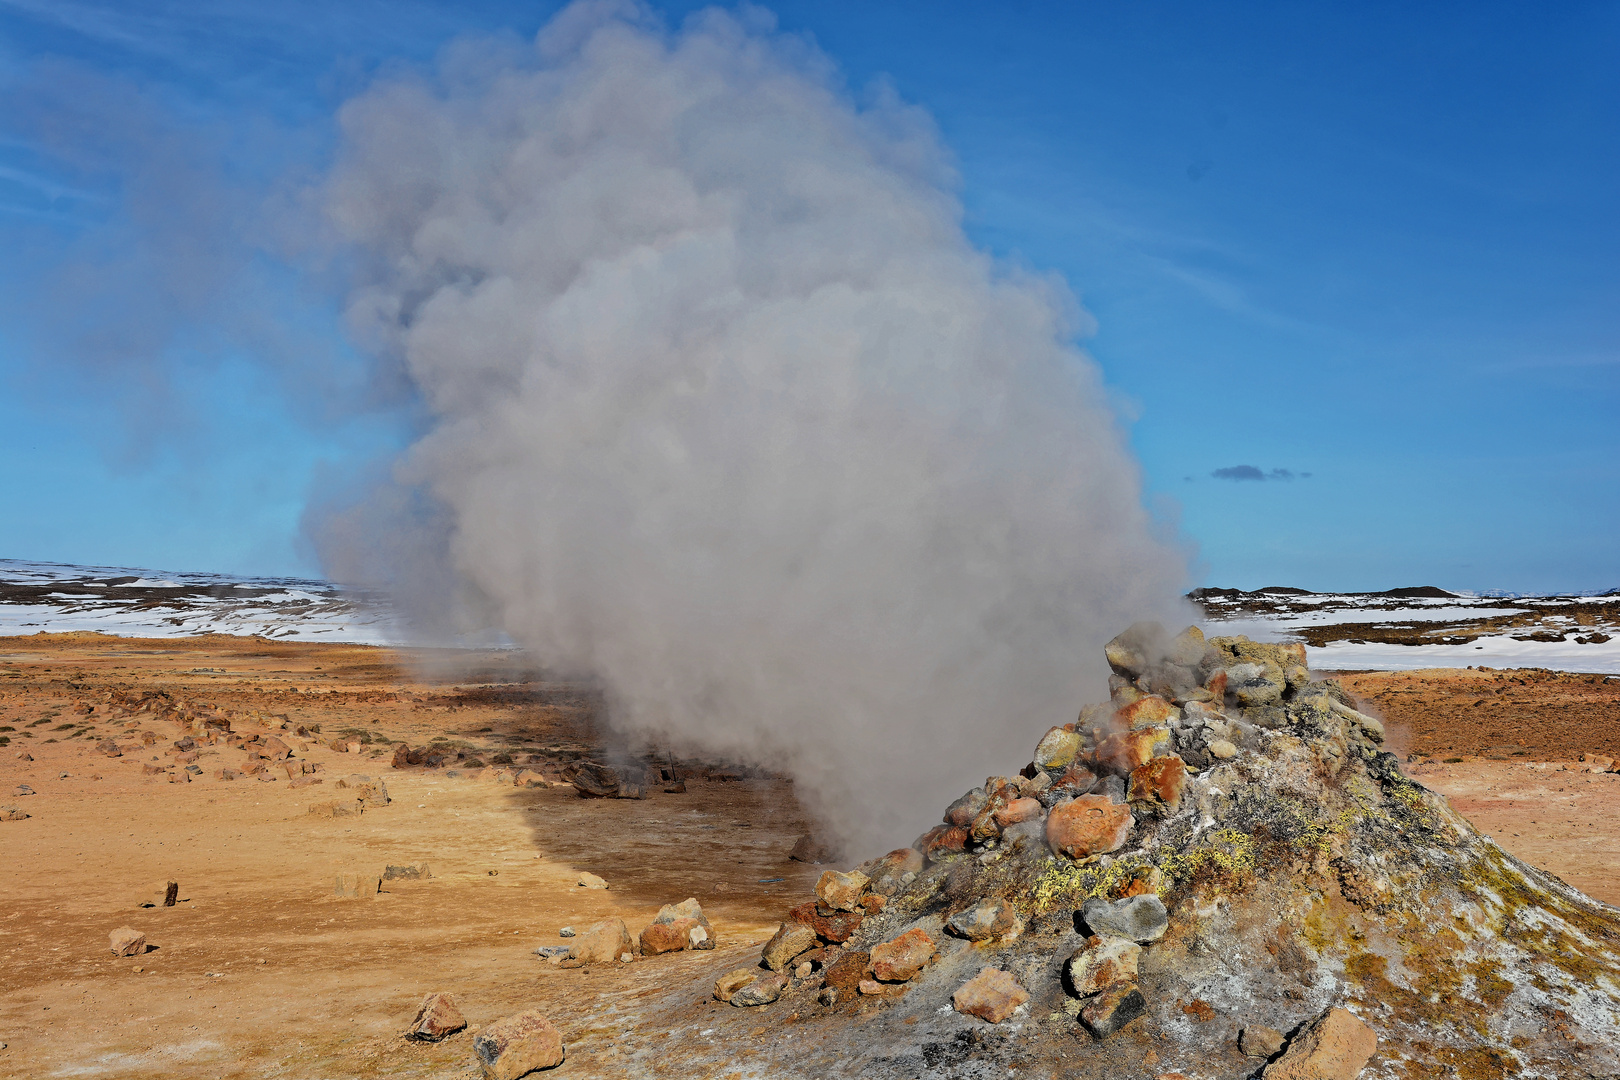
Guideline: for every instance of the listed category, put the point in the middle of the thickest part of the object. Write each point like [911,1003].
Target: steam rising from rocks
[724,409]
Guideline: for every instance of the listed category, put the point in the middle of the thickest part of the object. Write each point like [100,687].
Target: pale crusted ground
[339,979]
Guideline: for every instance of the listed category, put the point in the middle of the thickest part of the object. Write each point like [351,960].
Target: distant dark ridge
[1429,592]
[1417,591]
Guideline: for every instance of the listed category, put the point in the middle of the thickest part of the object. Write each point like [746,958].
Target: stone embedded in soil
[1259,1041]
[126,941]
[591,881]
[838,891]
[989,918]
[763,990]
[436,1018]
[1089,825]
[1159,783]
[1057,749]
[792,938]
[733,981]
[1101,963]
[602,943]
[991,995]
[518,1045]
[1139,918]
[1336,1046]
[11,813]
[163,894]
[836,927]
[1112,1009]
[594,780]
[353,886]
[900,960]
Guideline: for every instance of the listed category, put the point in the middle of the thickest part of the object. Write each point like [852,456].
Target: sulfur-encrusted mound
[1300,870]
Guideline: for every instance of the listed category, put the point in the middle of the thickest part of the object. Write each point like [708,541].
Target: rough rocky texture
[765,988]
[436,1018]
[1057,749]
[900,960]
[838,891]
[989,918]
[1089,825]
[1336,1046]
[1103,962]
[1138,918]
[604,943]
[991,995]
[1259,1041]
[517,1046]
[792,938]
[667,937]
[126,941]
[1301,873]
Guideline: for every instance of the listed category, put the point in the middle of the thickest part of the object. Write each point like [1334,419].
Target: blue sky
[1375,244]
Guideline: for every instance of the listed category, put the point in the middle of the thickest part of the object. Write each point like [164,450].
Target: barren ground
[260,971]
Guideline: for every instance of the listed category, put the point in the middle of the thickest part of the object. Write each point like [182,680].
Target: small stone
[11,813]
[1103,962]
[804,970]
[1260,1042]
[991,995]
[989,918]
[841,892]
[517,1046]
[828,997]
[591,881]
[762,991]
[1057,749]
[1336,1046]
[1022,809]
[436,1018]
[900,960]
[1139,918]
[1089,825]
[1112,1009]
[792,938]
[272,749]
[1221,748]
[602,943]
[126,941]
[733,981]
[871,988]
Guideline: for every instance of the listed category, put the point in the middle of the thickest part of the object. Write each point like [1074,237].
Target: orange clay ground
[260,971]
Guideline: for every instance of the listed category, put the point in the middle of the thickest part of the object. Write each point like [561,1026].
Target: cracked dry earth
[260,972]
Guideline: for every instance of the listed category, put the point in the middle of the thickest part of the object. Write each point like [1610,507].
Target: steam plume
[726,410]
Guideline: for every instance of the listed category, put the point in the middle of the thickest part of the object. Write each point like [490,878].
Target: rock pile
[1220,853]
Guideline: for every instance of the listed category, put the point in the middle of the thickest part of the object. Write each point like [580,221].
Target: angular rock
[1258,1041]
[126,941]
[1101,963]
[1112,1009]
[605,942]
[835,928]
[762,991]
[436,1018]
[518,1045]
[887,871]
[792,938]
[1139,918]
[1057,749]
[686,909]
[272,749]
[900,960]
[1127,751]
[1150,711]
[593,780]
[163,894]
[1076,780]
[1158,784]
[667,937]
[11,813]
[1256,684]
[943,841]
[1130,653]
[591,881]
[402,756]
[837,891]
[989,919]
[1336,1046]
[991,995]
[1019,810]
[968,807]
[733,981]
[1089,825]
[110,748]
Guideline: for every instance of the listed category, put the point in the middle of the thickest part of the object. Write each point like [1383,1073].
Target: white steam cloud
[725,410]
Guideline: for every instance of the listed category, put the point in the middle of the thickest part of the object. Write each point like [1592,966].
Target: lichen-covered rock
[1089,825]
[1101,963]
[1057,749]
[991,995]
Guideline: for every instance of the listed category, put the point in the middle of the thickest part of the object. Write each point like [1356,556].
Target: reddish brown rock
[1126,751]
[667,937]
[792,938]
[1019,810]
[1336,1046]
[964,810]
[942,841]
[837,891]
[836,927]
[991,995]
[990,918]
[1076,780]
[872,903]
[436,1018]
[273,749]
[518,1045]
[900,960]
[1089,825]
[126,941]
[1103,962]
[1158,783]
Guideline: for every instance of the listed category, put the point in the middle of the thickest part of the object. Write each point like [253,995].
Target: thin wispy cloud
[1241,473]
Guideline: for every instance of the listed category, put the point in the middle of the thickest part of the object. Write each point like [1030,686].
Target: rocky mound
[1218,873]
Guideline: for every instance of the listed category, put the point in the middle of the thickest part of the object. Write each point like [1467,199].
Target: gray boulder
[1140,918]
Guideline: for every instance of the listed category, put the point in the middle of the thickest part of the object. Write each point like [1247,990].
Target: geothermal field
[240,856]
